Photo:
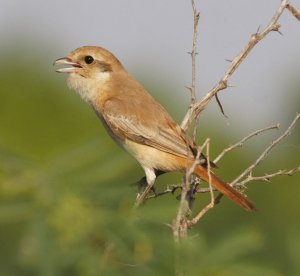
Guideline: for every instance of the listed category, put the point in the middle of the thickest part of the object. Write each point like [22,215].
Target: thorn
[279,32]
[168,225]
[188,88]
[220,106]
[258,29]
[191,53]
[275,28]
[231,86]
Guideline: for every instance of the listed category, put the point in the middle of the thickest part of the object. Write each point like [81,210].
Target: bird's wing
[139,123]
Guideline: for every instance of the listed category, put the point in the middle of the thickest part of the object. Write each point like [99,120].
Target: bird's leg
[146,185]
[192,191]
[142,185]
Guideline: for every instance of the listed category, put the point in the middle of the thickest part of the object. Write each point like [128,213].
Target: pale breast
[150,157]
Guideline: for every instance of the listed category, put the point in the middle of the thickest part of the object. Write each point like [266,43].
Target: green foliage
[66,197]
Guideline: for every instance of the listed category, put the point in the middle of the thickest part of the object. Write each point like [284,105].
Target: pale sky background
[152,39]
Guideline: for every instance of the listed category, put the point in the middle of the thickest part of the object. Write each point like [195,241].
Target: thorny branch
[193,54]
[246,177]
[241,142]
[247,173]
[181,223]
[293,11]
[195,110]
[190,185]
[210,205]
[267,177]
[266,152]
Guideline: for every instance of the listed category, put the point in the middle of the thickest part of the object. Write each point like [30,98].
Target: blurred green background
[66,191]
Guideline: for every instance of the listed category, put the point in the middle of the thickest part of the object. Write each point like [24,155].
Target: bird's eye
[88,59]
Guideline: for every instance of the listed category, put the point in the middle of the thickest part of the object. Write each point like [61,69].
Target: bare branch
[169,190]
[266,151]
[205,190]
[194,111]
[195,220]
[180,224]
[250,177]
[193,53]
[197,161]
[293,11]
[241,142]
[172,188]
[267,177]
[209,206]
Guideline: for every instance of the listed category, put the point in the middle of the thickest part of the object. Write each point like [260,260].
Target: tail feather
[225,189]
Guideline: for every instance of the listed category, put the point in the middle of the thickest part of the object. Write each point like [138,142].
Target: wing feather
[154,130]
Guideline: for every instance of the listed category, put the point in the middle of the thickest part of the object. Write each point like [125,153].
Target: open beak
[67,61]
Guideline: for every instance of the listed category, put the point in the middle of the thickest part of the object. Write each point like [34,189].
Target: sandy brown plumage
[134,119]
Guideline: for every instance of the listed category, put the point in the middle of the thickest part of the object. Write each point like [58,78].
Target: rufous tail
[224,188]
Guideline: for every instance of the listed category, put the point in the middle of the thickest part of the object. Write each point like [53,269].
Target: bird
[135,120]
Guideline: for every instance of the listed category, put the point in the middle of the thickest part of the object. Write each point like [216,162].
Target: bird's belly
[150,157]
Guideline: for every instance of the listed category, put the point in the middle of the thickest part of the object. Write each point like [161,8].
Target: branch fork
[190,185]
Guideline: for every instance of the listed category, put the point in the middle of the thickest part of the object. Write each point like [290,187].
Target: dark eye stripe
[105,67]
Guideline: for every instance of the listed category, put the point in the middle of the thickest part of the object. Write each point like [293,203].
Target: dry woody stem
[293,11]
[241,142]
[195,110]
[181,223]
[190,186]
[266,152]
[267,177]
[211,204]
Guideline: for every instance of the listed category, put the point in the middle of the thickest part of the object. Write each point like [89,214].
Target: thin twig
[193,54]
[180,225]
[169,190]
[241,142]
[198,107]
[293,11]
[209,206]
[250,177]
[266,152]
[197,161]
[205,190]
[267,177]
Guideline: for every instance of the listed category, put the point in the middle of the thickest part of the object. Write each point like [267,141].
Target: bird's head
[89,68]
